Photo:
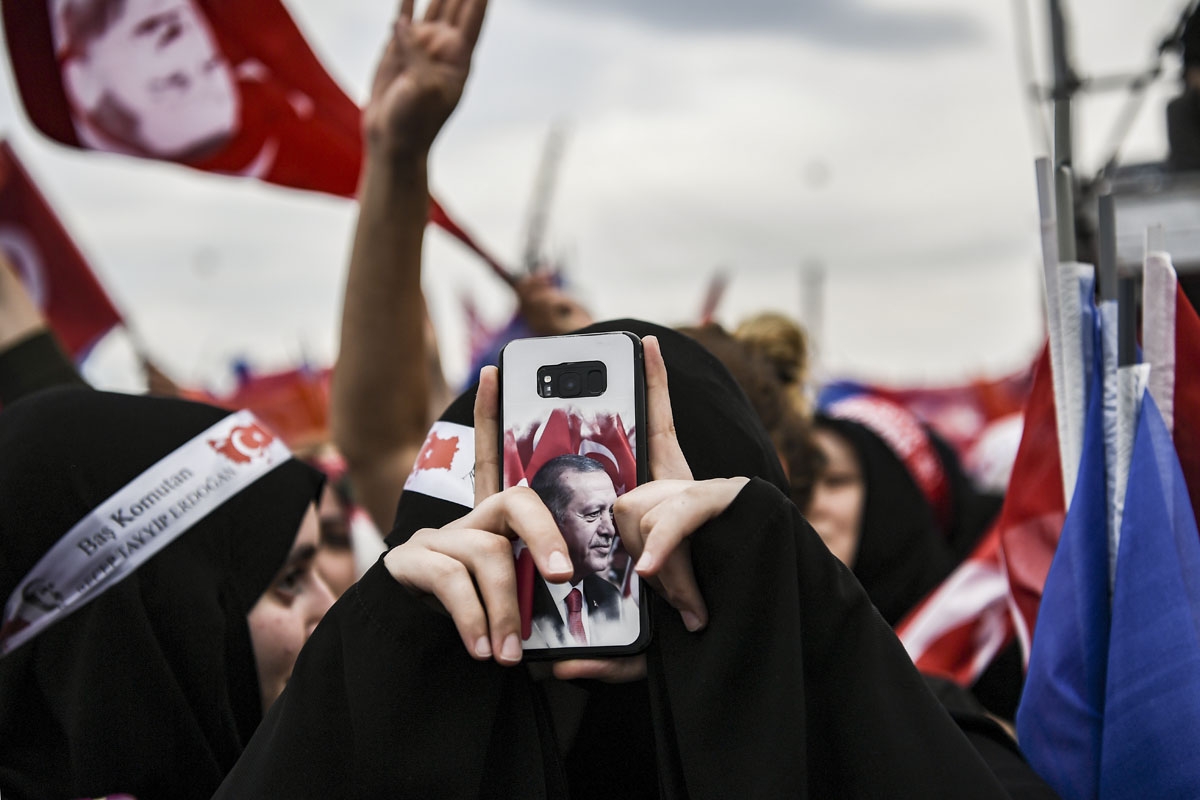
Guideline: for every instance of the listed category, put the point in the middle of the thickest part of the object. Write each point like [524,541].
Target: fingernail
[559,562]
[483,647]
[646,563]
[512,648]
[691,621]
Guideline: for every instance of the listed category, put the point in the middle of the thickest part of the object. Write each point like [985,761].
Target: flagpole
[1065,85]
[1106,268]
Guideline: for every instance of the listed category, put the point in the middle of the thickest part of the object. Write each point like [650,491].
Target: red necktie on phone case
[575,617]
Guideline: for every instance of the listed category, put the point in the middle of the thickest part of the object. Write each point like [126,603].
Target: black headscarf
[150,689]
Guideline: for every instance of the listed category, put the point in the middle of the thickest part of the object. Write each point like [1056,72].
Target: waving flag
[964,623]
[226,86]
[49,264]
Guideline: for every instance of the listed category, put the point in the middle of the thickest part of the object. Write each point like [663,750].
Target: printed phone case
[572,421]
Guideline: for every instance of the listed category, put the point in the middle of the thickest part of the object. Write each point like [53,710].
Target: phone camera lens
[569,384]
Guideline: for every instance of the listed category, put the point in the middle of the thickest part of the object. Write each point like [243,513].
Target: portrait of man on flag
[223,87]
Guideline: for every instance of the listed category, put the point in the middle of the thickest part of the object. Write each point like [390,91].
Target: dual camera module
[572,379]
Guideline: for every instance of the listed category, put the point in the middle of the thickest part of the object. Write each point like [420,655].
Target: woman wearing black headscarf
[790,684]
[875,518]
[152,685]
[894,505]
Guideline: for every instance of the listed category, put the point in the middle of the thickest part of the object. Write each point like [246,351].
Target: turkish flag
[49,264]
[1034,509]
[558,435]
[226,86]
[1187,394]
[609,444]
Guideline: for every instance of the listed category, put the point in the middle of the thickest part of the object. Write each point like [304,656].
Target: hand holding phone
[468,566]
[572,414]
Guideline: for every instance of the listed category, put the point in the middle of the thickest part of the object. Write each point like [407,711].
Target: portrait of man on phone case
[587,609]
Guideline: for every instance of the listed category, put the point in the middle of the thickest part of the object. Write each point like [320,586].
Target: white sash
[138,521]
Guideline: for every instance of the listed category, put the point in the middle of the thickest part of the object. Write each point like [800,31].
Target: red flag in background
[1034,508]
[293,403]
[962,625]
[221,85]
[228,86]
[996,591]
[1187,394]
[50,265]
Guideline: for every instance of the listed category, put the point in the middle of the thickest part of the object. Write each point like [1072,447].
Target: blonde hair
[784,343]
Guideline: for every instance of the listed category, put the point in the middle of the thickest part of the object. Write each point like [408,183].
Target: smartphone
[572,416]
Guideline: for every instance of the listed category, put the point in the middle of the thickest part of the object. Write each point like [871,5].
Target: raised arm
[382,385]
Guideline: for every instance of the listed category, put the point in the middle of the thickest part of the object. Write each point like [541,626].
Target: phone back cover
[606,431]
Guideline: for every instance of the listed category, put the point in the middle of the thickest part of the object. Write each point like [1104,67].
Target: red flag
[965,622]
[559,434]
[609,444]
[228,86]
[48,262]
[994,594]
[294,403]
[1187,393]
[1034,509]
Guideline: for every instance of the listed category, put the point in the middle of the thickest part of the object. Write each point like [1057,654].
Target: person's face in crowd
[288,611]
[836,508]
[156,80]
[587,521]
[335,556]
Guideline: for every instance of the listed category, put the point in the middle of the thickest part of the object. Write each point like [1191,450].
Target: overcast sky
[887,142]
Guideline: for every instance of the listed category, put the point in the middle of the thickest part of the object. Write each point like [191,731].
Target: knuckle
[446,570]
[522,494]
[494,546]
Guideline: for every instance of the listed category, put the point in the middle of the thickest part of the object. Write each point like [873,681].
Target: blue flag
[1152,705]
[1060,717]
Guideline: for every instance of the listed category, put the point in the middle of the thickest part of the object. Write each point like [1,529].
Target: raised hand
[421,76]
